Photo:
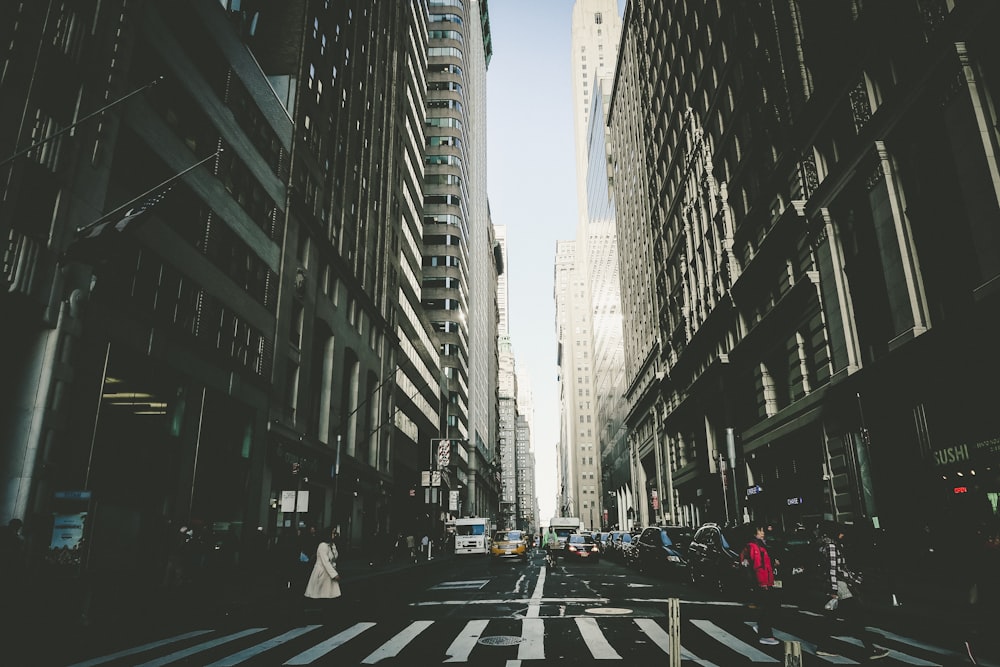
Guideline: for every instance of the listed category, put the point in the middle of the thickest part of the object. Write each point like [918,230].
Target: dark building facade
[249,350]
[815,188]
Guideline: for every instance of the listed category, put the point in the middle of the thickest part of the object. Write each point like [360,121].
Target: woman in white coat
[324,582]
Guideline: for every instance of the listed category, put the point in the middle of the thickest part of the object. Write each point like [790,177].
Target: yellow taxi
[510,544]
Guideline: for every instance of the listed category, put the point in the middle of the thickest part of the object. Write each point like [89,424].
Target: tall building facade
[527,496]
[608,367]
[781,179]
[567,468]
[460,262]
[361,377]
[507,394]
[594,38]
[227,252]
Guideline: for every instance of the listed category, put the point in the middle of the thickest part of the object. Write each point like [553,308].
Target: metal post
[674,628]
[793,654]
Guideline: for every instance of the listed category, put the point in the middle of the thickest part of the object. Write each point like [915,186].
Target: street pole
[336,485]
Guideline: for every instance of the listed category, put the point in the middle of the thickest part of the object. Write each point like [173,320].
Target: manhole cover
[501,640]
[608,610]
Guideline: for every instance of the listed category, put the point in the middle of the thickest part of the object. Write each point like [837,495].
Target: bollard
[793,654]
[674,628]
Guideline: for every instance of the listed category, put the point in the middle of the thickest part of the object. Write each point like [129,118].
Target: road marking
[474,584]
[461,648]
[391,648]
[198,648]
[324,647]
[732,641]
[531,601]
[535,603]
[902,657]
[533,634]
[246,654]
[595,639]
[660,637]
[140,649]
[808,647]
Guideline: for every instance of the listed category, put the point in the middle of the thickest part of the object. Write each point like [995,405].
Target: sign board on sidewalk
[288,501]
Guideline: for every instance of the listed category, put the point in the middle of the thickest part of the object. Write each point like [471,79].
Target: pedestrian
[324,582]
[758,560]
[842,587]
[177,559]
[411,546]
[425,542]
[13,560]
[984,591]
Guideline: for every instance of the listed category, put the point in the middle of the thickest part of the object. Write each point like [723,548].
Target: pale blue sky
[532,190]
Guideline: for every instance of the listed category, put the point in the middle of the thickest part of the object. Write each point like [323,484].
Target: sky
[532,190]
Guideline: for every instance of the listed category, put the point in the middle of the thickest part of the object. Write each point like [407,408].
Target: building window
[598,19]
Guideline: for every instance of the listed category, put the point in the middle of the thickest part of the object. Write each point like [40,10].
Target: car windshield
[581,539]
[680,537]
[508,536]
[626,537]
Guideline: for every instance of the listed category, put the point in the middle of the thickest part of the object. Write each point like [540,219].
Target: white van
[472,535]
[563,527]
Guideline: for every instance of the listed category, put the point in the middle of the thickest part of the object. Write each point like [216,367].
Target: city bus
[472,535]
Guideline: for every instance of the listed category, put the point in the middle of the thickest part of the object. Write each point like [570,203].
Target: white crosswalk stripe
[140,649]
[321,649]
[896,655]
[391,648]
[595,639]
[246,654]
[461,648]
[660,637]
[204,646]
[931,648]
[808,647]
[733,642]
[726,641]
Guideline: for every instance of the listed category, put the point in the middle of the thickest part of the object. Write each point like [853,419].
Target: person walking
[843,591]
[758,560]
[324,581]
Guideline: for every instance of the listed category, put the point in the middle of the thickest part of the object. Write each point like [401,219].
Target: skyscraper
[460,262]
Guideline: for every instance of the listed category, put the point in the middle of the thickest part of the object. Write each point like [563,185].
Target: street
[471,609]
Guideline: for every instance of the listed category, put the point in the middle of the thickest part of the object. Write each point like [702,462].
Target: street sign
[436,478]
[425,478]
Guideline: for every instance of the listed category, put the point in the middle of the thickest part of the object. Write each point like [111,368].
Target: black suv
[714,558]
[662,550]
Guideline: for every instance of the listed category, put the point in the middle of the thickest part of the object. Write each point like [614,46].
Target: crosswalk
[512,641]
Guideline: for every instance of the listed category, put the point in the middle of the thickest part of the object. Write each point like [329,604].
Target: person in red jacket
[757,558]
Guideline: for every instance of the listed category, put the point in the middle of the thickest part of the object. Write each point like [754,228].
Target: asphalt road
[472,610]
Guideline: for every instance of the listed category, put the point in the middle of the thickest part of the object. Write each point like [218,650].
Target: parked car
[581,547]
[662,550]
[626,548]
[510,544]
[714,558]
[615,549]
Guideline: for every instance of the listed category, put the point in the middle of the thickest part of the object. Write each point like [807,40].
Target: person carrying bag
[843,586]
[324,581]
